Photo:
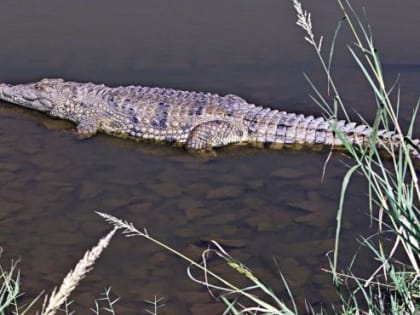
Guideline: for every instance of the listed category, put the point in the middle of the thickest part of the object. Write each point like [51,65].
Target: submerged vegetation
[394,194]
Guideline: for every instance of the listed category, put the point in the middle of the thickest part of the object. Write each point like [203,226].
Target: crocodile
[196,120]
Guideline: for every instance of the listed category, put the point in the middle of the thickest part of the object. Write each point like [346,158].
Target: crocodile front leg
[215,133]
[87,128]
[87,124]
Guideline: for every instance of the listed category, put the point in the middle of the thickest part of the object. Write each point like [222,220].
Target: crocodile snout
[24,95]
[5,89]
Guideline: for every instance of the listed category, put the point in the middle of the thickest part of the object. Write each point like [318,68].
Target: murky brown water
[272,203]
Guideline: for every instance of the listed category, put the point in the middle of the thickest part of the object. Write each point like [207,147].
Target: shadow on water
[260,203]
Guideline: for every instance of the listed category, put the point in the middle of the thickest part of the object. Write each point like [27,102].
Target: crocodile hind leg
[215,133]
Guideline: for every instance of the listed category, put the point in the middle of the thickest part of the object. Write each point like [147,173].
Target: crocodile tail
[386,140]
[414,148]
[276,129]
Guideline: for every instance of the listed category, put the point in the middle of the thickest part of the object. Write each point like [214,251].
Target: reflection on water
[261,204]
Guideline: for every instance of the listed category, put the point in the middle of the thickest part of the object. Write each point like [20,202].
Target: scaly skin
[198,121]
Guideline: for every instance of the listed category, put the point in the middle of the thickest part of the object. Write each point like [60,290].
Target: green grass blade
[339,217]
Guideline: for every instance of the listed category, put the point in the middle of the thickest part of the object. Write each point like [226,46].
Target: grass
[394,195]
[392,185]
[105,303]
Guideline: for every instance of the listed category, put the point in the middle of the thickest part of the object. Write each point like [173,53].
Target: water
[259,203]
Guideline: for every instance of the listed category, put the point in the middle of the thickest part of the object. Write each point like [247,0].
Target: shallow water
[259,203]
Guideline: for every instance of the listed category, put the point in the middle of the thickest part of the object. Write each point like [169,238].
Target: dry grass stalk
[305,22]
[73,278]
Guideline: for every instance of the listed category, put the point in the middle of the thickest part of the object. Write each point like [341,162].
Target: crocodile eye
[38,87]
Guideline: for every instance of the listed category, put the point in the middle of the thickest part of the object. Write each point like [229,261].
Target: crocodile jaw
[25,95]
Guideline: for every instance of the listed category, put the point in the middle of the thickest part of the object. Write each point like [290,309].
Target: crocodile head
[41,95]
